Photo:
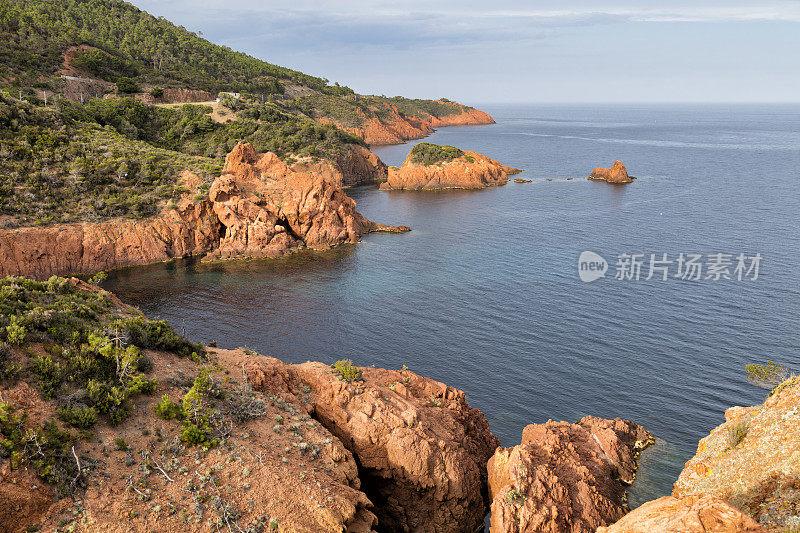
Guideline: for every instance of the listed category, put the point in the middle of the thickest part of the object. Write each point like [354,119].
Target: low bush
[431,154]
[81,417]
[346,372]
[737,433]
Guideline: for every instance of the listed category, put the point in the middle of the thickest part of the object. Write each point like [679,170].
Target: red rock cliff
[259,207]
[395,128]
[421,449]
[565,477]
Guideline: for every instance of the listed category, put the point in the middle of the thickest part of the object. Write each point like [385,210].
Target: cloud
[329,26]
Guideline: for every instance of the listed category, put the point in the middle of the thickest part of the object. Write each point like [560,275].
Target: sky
[519,51]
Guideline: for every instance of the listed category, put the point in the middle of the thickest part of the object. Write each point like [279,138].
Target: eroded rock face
[759,475]
[690,514]
[191,228]
[421,449]
[269,209]
[616,174]
[356,166]
[565,477]
[470,171]
[259,207]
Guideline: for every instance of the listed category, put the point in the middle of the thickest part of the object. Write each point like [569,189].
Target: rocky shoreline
[314,447]
[259,207]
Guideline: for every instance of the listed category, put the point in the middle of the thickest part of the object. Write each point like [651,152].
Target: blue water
[484,293]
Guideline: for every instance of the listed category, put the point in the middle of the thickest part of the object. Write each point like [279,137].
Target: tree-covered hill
[130,43]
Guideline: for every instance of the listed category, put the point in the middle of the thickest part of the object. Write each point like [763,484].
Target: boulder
[565,477]
[689,514]
[421,449]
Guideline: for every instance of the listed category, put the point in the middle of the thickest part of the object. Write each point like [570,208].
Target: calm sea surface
[484,293]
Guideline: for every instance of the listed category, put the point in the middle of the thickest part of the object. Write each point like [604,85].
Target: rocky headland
[391,126]
[434,167]
[113,422]
[616,174]
[259,207]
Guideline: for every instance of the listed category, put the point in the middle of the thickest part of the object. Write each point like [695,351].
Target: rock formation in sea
[616,174]
[465,170]
[565,477]
[521,180]
[258,207]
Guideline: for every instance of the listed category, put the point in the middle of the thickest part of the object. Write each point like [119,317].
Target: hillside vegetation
[35,34]
[118,154]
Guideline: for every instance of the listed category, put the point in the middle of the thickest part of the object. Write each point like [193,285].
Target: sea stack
[616,174]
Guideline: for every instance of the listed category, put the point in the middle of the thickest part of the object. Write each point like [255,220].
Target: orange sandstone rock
[565,477]
[616,174]
[259,207]
[421,449]
[470,171]
[760,475]
[395,128]
[689,514]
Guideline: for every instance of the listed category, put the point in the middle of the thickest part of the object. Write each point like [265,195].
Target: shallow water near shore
[484,293]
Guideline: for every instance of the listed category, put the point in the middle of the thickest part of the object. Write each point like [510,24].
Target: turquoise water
[484,293]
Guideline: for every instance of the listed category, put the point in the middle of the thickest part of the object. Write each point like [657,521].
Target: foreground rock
[690,514]
[616,174]
[565,477]
[753,460]
[458,170]
[421,449]
[259,207]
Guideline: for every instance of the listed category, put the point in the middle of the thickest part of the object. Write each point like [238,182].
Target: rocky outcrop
[565,477]
[259,207]
[188,228]
[420,448]
[269,209]
[753,460]
[616,174]
[520,180]
[356,166]
[469,171]
[690,514]
[394,127]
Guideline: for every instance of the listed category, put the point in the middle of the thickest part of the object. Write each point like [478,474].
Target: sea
[688,274]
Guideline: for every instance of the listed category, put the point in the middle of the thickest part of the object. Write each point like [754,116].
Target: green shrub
[49,373]
[121,445]
[15,332]
[768,375]
[81,417]
[12,430]
[431,154]
[345,371]
[737,433]
[515,497]
[127,85]
[167,409]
